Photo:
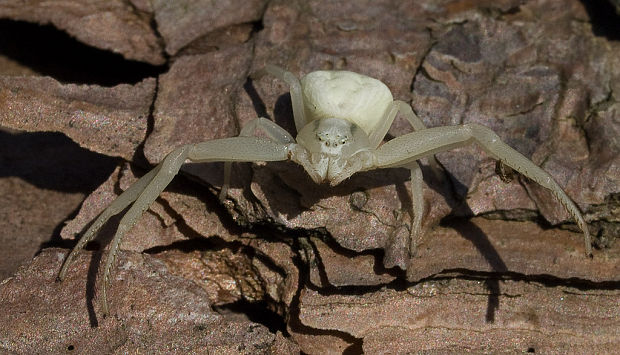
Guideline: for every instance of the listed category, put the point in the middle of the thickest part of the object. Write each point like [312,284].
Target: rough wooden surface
[284,265]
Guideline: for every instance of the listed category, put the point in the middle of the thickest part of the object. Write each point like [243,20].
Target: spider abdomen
[354,97]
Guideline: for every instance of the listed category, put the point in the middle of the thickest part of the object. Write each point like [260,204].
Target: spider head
[330,149]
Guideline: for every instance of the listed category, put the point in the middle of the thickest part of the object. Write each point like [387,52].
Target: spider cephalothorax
[331,149]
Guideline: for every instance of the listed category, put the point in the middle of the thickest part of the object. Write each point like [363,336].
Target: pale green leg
[121,202]
[270,129]
[297,99]
[413,146]
[148,188]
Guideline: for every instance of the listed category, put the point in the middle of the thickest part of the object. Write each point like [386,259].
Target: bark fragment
[107,24]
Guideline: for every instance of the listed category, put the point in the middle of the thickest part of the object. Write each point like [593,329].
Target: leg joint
[482,133]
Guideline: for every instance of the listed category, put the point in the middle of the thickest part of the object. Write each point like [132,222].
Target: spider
[341,119]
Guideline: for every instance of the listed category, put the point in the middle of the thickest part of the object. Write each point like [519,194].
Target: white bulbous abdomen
[346,95]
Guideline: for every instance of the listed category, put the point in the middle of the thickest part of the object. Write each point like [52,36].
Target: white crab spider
[341,118]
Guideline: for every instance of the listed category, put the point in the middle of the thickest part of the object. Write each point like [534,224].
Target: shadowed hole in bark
[257,26]
[52,52]
[356,348]
[604,18]
[52,161]
[258,312]
[198,243]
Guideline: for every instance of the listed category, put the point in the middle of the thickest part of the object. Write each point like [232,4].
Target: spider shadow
[472,233]
[282,110]
[91,280]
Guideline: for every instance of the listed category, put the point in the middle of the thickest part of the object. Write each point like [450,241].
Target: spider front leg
[148,188]
[166,171]
[270,129]
[376,137]
[297,100]
[413,146]
[121,202]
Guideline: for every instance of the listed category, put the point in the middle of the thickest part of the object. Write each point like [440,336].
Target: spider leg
[386,122]
[270,129]
[389,115]
[413,146]
[417,196]
[148,188]
[418,125]
[165,172]
[122,201]
[417,199]
[299,114]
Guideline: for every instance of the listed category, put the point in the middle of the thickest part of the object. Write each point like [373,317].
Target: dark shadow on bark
[91,281]
[257,312]
[605,19]
[52,161]
[474,234]
[52,52]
